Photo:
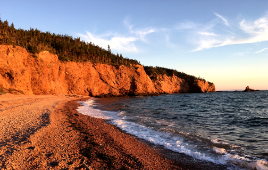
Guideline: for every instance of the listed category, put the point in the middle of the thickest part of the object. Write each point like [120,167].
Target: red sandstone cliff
[21,72]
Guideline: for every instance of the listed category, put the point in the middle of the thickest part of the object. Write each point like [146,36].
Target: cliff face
[21,72]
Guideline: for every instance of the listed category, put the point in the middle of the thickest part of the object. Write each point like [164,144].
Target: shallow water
[225,128]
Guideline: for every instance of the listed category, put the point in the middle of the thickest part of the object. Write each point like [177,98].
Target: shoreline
[46,132]
[106,146]
[42,132]
[179,159]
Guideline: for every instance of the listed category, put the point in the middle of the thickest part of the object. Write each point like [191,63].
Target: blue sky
[225,42]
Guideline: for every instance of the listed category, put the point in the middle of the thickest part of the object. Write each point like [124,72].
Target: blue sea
[228,128]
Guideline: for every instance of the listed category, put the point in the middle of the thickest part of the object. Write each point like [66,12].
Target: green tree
[109,49]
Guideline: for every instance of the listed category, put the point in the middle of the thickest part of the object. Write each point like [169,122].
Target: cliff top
[68,48]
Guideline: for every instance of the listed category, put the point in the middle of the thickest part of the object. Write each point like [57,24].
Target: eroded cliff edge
[22,72]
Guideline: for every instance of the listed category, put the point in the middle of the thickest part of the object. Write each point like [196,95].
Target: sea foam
[170,141]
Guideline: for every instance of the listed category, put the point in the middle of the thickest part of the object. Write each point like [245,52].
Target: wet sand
[46,132]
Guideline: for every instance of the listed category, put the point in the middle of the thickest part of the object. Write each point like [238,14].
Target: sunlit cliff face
[45,74]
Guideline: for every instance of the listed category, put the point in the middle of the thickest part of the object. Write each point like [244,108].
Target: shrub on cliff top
[154,71]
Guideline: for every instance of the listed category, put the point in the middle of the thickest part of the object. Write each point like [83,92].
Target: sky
[224,42]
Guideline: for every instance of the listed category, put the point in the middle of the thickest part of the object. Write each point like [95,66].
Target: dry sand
[32,134]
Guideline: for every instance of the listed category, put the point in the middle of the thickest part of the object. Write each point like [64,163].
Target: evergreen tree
[68,48]
[109,49]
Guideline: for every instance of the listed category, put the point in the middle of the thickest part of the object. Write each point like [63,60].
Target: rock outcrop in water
[249,89]
[21,72]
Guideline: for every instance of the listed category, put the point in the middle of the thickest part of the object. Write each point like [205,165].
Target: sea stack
[249,89]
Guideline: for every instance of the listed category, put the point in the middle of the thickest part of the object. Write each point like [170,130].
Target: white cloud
[207,43]
[222,18]
[169,43]
[127,23]
[255,31]
[262,50]
[204,36]
[241,54]
[186,25]
[141,33]
[122,43]
[116,42]
[207,33]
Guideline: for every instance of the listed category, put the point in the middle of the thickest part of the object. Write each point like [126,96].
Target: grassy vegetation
[154,71]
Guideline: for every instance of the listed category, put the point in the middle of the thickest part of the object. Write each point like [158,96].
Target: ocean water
[229,128]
